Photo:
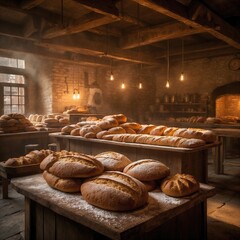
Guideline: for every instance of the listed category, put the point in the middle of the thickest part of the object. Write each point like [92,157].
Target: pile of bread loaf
[112,181]
[48,120]
[33,157]
[15,122]
[116,128]
[207,120]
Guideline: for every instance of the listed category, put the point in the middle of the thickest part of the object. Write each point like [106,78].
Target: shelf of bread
[116,128]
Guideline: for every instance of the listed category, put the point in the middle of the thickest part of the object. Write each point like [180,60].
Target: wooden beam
[9,44]
[189,16]
[89,21]
[155,34]
[12,70]
[94,48]
[106,8]
[28,4]
[30,27]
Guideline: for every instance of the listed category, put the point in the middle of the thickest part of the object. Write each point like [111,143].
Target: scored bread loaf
[180,185]
[115,191]
[158,131]
[147,170]
[150,185]
[121,118]
[33,157]
[68,185]
[133,125]
[107,123]
[113,161]
[206,135]
[146,129]
[76,166]
[116,130]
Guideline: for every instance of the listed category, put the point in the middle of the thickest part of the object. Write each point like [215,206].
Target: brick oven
[225,100]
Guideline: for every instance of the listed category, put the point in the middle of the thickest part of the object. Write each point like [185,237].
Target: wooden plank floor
[223,209]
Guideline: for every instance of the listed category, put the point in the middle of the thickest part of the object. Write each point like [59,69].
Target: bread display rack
[180,160]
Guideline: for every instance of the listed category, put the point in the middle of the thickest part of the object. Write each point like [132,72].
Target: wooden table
[180,160]
[220,153]
[51,214]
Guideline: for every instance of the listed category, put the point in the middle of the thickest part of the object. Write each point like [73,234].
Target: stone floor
[223,209]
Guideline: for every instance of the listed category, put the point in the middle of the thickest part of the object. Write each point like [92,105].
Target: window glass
[12,62]
[6,90]
[11,78]
[7,100]
[14,90]
[7,109]
[21,91]
[21,100]
[14,99]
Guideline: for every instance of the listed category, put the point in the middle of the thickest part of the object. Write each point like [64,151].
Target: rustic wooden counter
[220,153]
[51,214]
[180,160]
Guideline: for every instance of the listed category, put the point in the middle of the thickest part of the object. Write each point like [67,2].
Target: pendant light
[140,85]
[123,85]
[182,74]
[111,74]
[167,83]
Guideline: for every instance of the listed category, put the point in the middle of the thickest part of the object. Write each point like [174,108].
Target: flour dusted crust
[113,161]
[72,166]
[180,185]
[147,170]
[68,185]
[115,191]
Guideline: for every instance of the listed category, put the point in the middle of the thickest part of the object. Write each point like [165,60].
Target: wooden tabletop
[136,145]
[115,225]
[227,132]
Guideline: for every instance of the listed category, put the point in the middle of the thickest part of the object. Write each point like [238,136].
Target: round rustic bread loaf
[68,185]
[76,166]
[180,185]
[113,161]
[121,118]
[115,191]
[147,170]
[107,123]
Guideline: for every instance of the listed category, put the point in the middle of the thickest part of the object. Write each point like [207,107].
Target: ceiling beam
[9,44]
[88,21]
[158,33]
[210,23]
[28,4]
[106,8]
[94,48]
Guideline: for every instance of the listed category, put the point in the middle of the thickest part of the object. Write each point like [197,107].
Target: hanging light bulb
[74,95]
[140,85]
[111,76]
[167,84]
[78,95]
[182,75]
[123,85]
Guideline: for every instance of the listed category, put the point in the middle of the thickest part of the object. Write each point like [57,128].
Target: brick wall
[228,105]
[202,76]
